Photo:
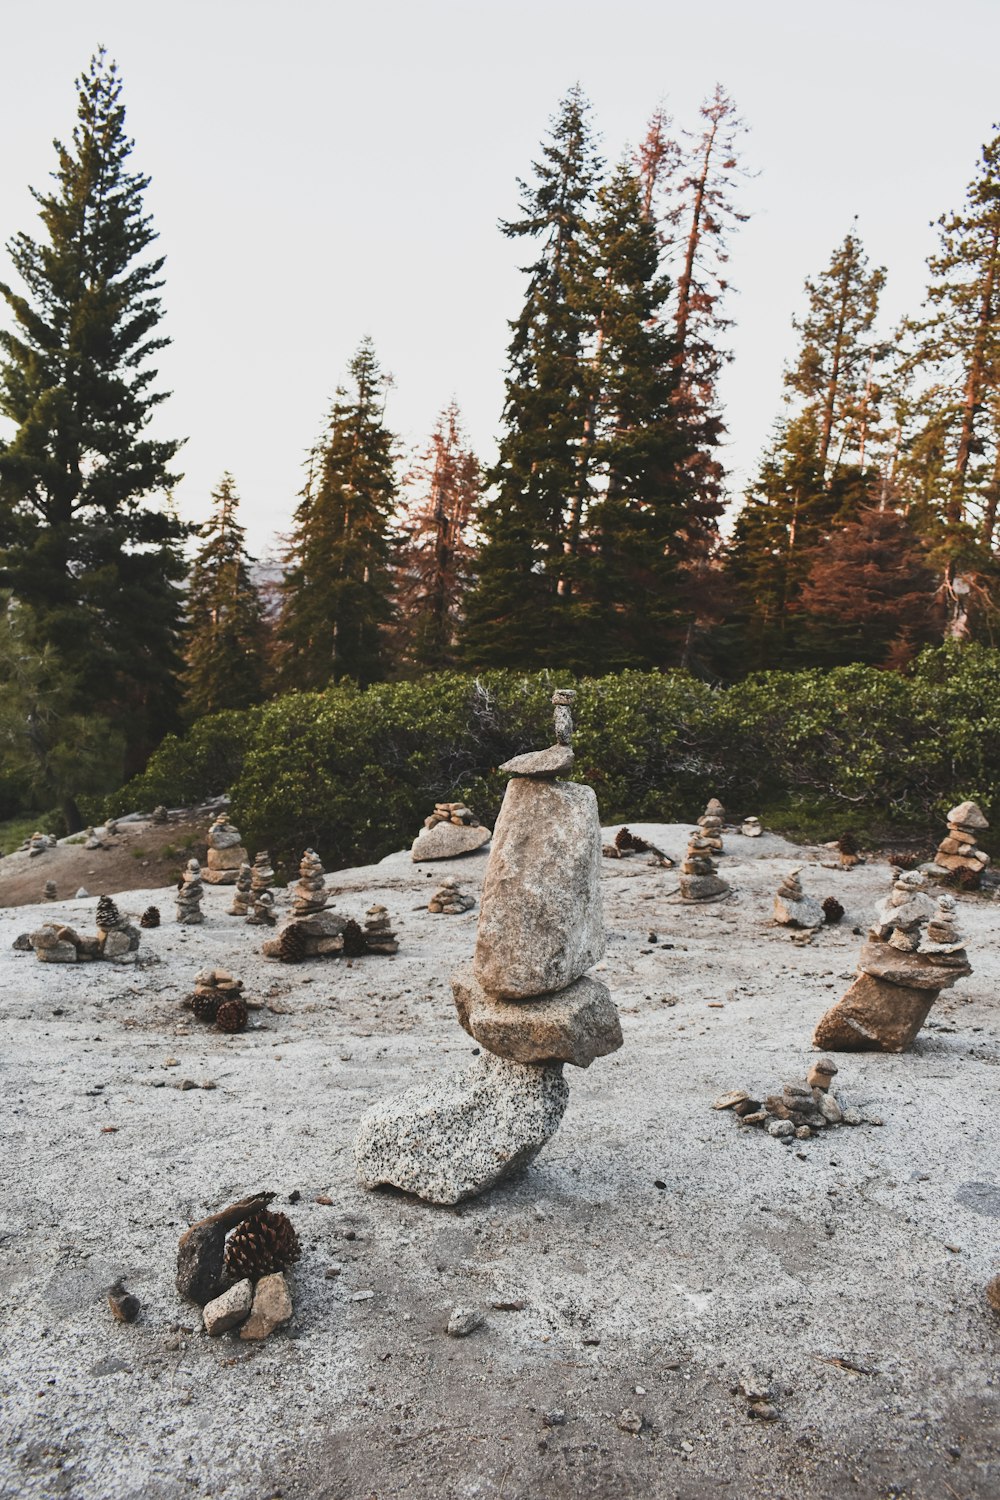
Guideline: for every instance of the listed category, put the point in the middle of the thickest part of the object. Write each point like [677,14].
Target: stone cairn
[800,1111]
[310,894]
[449,899]
[751,828]
[712,822]
[189,895]
[957,852]
[39,843]
[452,829]
[261,913]
[527,998]
[793,908]
[116,939]
[312,931]
[93,841]
[160,815]
[225,853]
[50,891]
[242,892]
[914,951]
[699,878]
[378,934]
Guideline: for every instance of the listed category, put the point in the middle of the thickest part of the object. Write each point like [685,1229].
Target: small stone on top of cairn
[452,829]
[449,899]
[49,891]
[261,913]
[225,852]
[379,936]
[958,857]
[242,891]
[699,879]
[309,895]
[793,908]
[189,895]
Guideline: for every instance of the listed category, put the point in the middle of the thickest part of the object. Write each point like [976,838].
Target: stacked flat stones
[450,899]
[39,843]
[711,823]
[792,907]
[526,998]
[189,896]
[751,828]
[378,934]
[318,932]
[958,851]
[914,951]
[242,892]
[261,903]
[116,940]
[225,853]
[699,877]
[452,829]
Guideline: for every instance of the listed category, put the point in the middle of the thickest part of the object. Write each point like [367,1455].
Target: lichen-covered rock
[448,841]
[453,1139]
[574,1025]
[541,923]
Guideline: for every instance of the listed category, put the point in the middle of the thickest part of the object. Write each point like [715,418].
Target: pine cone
[847,843]
[627,842]
[206,1007]
[292,944]
[150,917]
[261,1245]
[231,1015]
[354,940]
[832,910]
[108,915]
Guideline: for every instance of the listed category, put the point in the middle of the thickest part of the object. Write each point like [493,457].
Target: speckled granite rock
[455,1138]
[793,908]
[224,1312]
[447,841]
[272,1307]
[574,1026]
[541,923]
[557,760]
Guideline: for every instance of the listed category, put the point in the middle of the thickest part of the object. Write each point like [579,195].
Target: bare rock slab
[575,1025]
[464,1134]
[874,1016]
[227,1311]
[447,841]
[272,1307]
[541,923]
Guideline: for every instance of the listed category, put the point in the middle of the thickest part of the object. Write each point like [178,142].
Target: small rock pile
[712,822]
[799,1112]
[914,951]
[699,878]
[217,999]
[242,892]
[115,940]
[225,852]
[751,828]
[792,907]
[92,840]
[160,815]
[239,1282]
[309,894]
[39,843]
[49,891]
[378,934]
[958,854]
[452,829]
[261,913]
[262,875]
[526,998]
[449,899]
[189,895]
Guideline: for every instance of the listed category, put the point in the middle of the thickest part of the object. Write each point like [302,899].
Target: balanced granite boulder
[574,1025]
[457,1137]
[448,841]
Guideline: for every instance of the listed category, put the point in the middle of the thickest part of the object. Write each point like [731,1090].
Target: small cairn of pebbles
[711,823]
[150,917]
[92,841]
[39,843]
[261,913]
[160,815]
[262,876]
[225,852]
[189,895]
[800,1111]
[751,828]
[211,988]
[116,939]
[626,843]
[699,878]
[793,908]
[242,891]
[309,895]
[451,830]
[379,936]
[449,899]
[958,855]
[49,891]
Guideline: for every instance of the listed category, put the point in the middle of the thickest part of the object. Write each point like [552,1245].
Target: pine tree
[956,349]
[81,544]
[838,353]
[521,610]
[336,592]
[225,633]
[435,559]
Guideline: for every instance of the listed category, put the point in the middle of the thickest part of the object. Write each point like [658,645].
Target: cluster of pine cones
[217,1000]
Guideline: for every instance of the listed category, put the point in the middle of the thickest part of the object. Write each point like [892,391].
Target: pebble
[629,1421]
[463,1321]
[554,1418]
[225,1312]
[332,1272]
[764,1411]
[781,1129]
[851,1117]
[362,1296]
[124,1306]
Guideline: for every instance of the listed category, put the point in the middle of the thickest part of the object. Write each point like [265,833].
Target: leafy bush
[353,773]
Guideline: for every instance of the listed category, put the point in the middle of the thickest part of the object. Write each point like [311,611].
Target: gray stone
[57,953]
[779,1128]
[574,1025]
[463,1321]
[227,1311]
[915,970]
[969,815]
[557,760]
[805,913]
[460,1136]
[702,887]
[272,1308]
[447,841]
[541,923]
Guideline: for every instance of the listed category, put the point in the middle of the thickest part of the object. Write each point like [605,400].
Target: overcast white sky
[322,170]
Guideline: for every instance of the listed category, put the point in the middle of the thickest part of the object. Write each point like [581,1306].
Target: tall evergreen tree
[521,610]
[336,599]
[434,566]
[82,541]
[225,633]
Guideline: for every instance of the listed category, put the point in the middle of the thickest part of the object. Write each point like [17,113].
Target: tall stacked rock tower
[526,998]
